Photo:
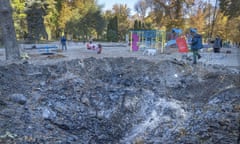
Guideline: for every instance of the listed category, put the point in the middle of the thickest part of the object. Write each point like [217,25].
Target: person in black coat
[217,44]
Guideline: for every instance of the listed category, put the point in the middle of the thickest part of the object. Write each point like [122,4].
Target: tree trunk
[8,31]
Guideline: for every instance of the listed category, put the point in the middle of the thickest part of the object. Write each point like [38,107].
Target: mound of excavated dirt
[118,100]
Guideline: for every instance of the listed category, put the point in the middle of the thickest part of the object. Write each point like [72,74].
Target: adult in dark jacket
[64,42]
[196,44]
[217,44]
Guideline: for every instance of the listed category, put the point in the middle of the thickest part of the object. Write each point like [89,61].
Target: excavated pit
[119,101]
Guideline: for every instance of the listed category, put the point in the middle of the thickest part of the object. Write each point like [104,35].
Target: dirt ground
[119,97]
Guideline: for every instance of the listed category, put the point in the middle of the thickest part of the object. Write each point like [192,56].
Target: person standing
[217,44]
[64,42]
[196,44]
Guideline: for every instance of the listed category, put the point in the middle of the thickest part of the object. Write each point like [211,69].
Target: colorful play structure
[157,39]
[141,39]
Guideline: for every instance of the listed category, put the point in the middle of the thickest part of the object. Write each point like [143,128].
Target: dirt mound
[118,100]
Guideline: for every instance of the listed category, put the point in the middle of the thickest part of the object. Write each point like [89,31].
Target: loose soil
[81,97]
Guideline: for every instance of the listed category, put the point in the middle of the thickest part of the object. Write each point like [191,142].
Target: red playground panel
[182,44]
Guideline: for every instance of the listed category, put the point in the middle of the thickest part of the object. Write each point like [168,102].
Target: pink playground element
[135,40]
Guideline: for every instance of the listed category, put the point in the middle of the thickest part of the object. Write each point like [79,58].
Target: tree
[112,30]
[138,25]
[234,33]
[169,13]
[92,21]
[65,15]
[51,19]
[36,10]
[19,18]
[122,13]
[141,8]
[73,14]
[230,8]
[198,17]
[100,23]
[8,31]
[135,26]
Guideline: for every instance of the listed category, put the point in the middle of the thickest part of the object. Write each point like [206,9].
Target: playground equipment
[175,33]
[44,49]
[145,39]
[47,49]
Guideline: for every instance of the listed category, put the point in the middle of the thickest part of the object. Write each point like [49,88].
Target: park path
[79,51]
